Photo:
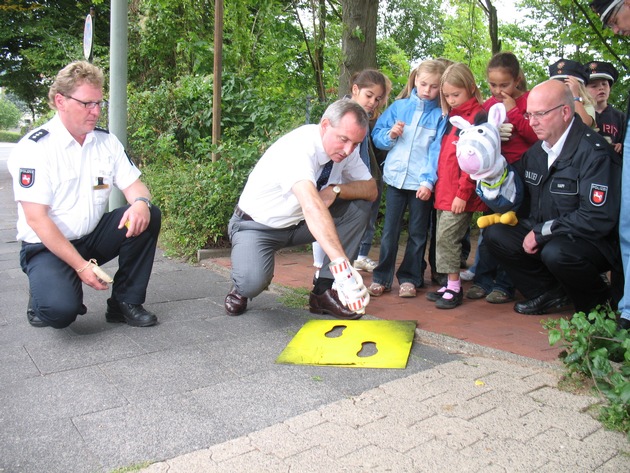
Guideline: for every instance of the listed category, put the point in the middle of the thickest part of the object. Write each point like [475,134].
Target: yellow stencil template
[351,344]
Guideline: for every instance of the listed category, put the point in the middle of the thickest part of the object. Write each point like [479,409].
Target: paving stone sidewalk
[475,414]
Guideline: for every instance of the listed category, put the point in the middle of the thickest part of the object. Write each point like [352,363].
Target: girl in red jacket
[455,197]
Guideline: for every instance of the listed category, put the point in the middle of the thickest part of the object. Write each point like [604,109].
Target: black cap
[602,70]
[605,8]
[566,67]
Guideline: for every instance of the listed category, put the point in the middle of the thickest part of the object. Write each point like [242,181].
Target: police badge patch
[598,194]
[27,177]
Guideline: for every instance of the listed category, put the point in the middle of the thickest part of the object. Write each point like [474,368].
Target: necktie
[322,180]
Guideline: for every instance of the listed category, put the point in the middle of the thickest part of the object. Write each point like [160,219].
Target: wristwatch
[578,99]
[337,190]
[145,200]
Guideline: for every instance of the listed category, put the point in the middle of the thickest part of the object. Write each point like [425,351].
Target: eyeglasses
[539,115]
[89,105]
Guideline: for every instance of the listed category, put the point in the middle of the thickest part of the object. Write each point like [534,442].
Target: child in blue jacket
[411,129]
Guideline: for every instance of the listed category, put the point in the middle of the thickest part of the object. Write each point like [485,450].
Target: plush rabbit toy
[479,155]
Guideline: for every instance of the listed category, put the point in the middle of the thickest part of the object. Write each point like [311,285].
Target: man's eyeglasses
[538,115]
[89,105]
[612,19]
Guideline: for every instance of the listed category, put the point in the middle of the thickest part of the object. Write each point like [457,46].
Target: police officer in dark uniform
[611,123]
[568,236]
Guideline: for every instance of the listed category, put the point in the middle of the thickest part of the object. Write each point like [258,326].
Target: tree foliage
[283,61]
[9,114]
[37,38]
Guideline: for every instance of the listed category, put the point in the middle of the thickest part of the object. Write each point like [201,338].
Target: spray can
[344,277]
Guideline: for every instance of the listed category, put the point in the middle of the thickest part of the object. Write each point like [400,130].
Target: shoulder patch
[27,177]
[38,135]
[598,194]
[104,130]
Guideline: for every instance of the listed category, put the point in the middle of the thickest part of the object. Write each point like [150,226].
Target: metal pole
[218,67]
[118,84]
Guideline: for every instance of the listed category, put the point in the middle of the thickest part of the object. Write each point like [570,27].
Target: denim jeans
[397,201]
[489,274]
[368,235]
[624,228]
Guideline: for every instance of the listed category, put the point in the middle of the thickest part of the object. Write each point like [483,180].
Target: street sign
[88,34]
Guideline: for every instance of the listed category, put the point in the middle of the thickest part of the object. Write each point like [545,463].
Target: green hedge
[197,199]
[9,137]
[170,139]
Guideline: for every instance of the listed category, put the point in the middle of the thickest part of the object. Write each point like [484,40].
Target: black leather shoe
[548,301]
[130,314]
[434,296]
[329,303]
[455,301]
[235,304]
[623,324]
[31,317]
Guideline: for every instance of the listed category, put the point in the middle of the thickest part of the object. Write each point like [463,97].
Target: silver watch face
[337,190]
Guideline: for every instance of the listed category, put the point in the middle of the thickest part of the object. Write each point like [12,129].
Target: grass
[294,298]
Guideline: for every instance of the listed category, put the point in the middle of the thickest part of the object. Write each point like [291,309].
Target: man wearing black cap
[615,14]
[611,122]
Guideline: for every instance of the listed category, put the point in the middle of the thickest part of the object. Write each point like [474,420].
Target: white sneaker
[365,264]
[467,275]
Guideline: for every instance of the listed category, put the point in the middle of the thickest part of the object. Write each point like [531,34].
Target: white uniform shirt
[49,167]
[297,156]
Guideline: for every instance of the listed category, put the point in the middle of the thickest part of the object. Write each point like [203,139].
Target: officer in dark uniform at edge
[615,14]
[559,249]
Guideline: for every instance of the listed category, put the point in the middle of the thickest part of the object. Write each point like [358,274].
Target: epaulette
[38,135]
[104,130]
[130,160]
[595,140]
[599,143]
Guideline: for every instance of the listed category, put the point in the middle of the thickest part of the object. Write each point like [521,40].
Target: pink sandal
[375,289]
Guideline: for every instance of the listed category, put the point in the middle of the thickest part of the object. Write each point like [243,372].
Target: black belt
[240,214]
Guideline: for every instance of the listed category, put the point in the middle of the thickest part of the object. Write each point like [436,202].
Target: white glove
[505,131]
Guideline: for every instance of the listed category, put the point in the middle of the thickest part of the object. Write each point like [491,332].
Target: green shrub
[9,137]
[170,138]
[9,114]
[183,112]
[596,349]
[197,199]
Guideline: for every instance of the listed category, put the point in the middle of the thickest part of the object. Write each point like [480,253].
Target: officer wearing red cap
[611,123]
[615,14]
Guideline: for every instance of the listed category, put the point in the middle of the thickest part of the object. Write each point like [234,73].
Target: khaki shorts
[451,229]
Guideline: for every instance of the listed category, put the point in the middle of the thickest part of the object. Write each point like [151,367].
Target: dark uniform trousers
[574,263]
[56,289]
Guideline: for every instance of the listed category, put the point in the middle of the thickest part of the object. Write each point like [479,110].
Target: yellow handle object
[508,218]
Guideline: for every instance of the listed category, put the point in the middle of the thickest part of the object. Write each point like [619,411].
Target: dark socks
[322,285]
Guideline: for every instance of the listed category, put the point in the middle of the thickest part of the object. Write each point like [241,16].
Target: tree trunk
[493,24]
[358,39]
[320,41]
